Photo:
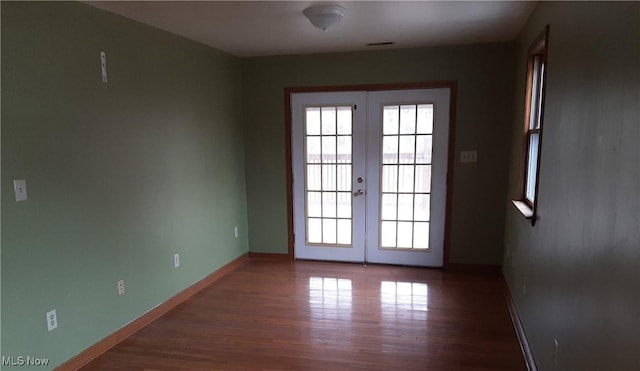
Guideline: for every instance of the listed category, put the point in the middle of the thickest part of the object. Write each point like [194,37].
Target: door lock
[359,192]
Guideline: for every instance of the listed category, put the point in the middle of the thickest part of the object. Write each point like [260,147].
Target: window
[533,120]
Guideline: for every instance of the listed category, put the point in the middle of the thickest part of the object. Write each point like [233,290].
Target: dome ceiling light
[324,16]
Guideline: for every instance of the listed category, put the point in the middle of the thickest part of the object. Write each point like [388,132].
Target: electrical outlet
[468,156]
[176,260]
[120,287]
[52,320]
[235,231]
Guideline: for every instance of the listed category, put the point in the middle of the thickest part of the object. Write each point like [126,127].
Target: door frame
[452,85]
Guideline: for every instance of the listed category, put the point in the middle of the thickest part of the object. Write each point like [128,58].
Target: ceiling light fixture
[324,16]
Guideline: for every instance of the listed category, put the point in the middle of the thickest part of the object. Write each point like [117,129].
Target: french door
[369,175]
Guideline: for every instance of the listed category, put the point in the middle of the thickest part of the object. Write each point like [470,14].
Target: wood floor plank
[281,315]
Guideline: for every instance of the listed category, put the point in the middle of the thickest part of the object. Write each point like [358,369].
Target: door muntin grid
[405,181]
[328,166]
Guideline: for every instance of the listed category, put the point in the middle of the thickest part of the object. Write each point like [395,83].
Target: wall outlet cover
[52,320]
[103,67]
[468,156]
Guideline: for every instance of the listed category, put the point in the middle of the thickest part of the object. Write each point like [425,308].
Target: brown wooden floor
[272,315]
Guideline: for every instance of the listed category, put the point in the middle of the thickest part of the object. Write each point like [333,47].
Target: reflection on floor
[272,315]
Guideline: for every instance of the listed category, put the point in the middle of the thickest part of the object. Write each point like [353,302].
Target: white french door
[369,171]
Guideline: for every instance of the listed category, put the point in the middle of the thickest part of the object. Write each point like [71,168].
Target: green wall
[581,261]
[485,93]
[120,176]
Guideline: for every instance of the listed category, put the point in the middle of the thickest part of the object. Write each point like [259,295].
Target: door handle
[359,192]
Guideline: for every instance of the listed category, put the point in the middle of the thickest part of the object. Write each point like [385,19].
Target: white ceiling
[257,28]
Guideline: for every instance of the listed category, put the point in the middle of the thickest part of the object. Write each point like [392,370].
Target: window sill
[523,208]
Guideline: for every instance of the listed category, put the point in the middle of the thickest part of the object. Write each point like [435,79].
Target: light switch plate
[176,260]
[20,186]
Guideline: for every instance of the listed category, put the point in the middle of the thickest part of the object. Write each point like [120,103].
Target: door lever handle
[359,192]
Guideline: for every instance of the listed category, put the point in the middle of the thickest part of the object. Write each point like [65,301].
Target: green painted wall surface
[120,176]
[484,74]
[581,261]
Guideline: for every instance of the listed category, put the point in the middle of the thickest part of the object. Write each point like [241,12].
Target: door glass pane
[328,120]
[408,119]
[328,154]
[328,204]
[344,150]
[344,204]
[314,230]
[313,150]
[389,206]
[422,207]
[344,231]
[423,149]
[388,234]
[407,149]
[389,178]
[329,231]
[421,235]
[314,204]
[405,207]
[314,177]
[390,149]
[425,119]
[344,120]
[313,121]
[405,235]
[329,177]
[423,178]
[405,197]
[405,178]
[328,149]
[390,120]
[344,177]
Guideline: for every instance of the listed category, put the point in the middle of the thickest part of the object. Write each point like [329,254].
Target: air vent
[381,44]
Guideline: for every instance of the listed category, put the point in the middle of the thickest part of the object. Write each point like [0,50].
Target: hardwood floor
[280,315]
